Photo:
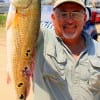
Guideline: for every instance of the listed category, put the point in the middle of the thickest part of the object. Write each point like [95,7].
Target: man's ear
[52,16]
[85,18]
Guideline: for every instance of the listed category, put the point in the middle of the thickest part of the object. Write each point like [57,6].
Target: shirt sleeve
[46,24]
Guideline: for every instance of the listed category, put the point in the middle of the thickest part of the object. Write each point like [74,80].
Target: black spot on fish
[25,71]
[20,84]
[21,96]
[27,52]
[26,68]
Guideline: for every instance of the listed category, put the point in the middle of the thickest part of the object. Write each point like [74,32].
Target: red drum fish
[23,24]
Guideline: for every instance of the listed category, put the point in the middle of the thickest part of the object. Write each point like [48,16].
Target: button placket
[76,82]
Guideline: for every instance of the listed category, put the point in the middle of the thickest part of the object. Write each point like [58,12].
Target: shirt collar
[54,48]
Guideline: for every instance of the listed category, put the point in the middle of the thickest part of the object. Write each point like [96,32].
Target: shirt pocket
[94,81]
[54,70]
[95,62]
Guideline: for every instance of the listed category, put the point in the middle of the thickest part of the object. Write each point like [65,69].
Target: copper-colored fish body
[22,32]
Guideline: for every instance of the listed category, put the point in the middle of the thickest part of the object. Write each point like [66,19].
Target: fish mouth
[21,3]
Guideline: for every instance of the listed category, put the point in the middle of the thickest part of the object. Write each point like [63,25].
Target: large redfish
[23,23]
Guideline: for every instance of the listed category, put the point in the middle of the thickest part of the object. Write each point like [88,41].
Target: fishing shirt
[58,76]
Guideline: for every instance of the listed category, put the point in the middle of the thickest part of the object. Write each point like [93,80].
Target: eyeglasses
[73,15]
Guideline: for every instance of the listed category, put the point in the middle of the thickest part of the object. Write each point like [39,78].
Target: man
[67,64]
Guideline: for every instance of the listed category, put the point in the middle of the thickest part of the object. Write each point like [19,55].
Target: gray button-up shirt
[58,76]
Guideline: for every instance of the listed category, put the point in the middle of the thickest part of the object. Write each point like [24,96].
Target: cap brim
[59,2]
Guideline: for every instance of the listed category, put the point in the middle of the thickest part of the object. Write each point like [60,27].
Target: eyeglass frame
[79,14]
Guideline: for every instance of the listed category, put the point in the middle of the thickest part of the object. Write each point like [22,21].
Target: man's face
[68,20]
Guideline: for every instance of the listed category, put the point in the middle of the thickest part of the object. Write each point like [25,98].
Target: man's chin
[69,35]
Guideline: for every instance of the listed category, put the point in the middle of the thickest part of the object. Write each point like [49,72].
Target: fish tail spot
[28,52]
[20,84]
[21,96]
[26,68]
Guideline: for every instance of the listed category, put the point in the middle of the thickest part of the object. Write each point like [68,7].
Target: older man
[67,64]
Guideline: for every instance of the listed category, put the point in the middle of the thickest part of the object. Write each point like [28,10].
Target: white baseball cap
[59,2]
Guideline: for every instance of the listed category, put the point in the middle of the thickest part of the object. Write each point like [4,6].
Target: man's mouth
[69,31]
[69,26]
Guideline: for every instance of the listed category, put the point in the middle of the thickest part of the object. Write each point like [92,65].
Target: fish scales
[23,24]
